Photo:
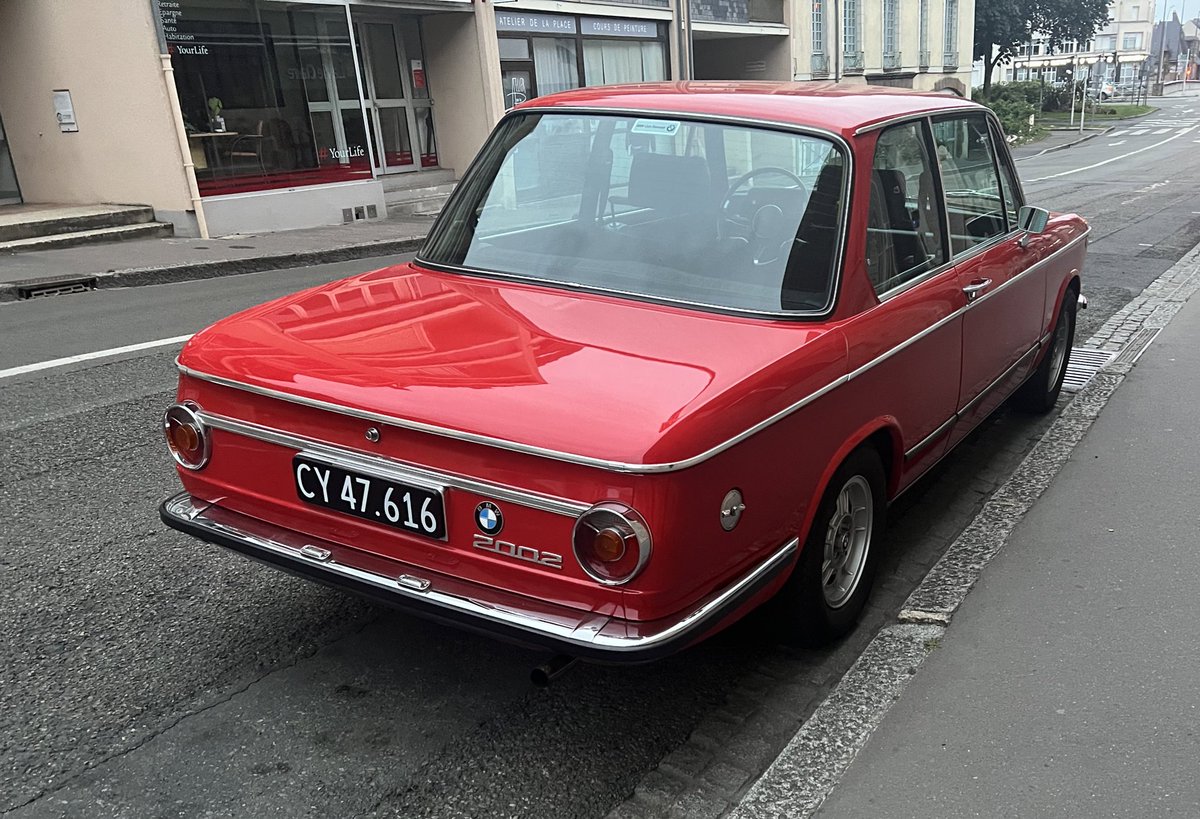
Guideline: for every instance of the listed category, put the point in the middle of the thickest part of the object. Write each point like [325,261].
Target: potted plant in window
[215,120]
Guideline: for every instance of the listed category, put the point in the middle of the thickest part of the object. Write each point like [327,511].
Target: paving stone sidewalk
[157,261]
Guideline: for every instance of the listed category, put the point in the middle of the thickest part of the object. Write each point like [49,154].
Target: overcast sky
[1190,8]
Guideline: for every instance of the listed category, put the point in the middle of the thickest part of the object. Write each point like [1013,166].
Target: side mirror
[1031,220]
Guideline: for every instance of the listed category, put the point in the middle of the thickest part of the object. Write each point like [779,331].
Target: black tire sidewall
[820,623]
[1040,393]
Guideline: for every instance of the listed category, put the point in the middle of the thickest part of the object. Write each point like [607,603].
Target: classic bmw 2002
[668,353]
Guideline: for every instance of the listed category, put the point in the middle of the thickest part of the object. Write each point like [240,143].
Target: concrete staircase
[43,227]
[417,194]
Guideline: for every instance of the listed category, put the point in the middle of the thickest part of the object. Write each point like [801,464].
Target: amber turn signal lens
[182,437]
[612,543]
[187,436]
[609,545]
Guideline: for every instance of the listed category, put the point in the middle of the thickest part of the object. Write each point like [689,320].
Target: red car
[669,352]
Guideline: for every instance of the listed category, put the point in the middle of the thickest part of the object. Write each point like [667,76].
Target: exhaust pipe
[544,674]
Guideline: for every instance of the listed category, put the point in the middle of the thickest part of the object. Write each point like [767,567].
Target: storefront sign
[64,111]
[169,14]
[523,21]
[612,27]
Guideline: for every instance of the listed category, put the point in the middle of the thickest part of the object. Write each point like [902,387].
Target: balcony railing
[820,65]
[922,59]
[852,62]
[892,60]
[950,59]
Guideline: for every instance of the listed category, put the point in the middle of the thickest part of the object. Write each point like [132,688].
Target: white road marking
[1117,158]
[1115,144]
[1138,132]
[1122,132]
[75,359]
[1145,244]
[1161,131]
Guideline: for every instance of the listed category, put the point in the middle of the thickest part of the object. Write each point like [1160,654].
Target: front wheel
[826,593]
[1040,391]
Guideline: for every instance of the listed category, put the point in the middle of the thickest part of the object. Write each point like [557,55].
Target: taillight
[187,436]
[612,543]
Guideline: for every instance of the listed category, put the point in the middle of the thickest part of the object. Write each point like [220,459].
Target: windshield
[726,216]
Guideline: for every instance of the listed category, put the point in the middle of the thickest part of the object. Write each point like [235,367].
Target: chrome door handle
[976,287]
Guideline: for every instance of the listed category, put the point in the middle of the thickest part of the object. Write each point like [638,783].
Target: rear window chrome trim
[839,142]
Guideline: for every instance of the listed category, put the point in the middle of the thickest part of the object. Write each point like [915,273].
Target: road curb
[807,770]
[1065,145]
[138,276]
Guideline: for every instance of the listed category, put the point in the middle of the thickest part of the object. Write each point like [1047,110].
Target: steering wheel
[764,230]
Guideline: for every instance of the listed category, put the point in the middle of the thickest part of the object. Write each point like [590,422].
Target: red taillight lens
[612,543]
[187,436]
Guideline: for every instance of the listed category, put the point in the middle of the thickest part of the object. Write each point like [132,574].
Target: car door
[1004,293]
[905,354]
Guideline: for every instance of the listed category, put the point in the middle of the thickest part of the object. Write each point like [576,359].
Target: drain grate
[1084,364]
[1137,345]
[60,287]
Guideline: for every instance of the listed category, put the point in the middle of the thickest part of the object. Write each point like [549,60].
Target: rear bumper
[470,605]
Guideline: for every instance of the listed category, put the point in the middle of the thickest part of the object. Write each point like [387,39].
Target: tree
[1003,27]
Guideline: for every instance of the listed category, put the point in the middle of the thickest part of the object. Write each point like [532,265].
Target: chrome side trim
[601,463]
[498,443]
[974,402]
[590,634]
[945,427]
[933,436]
[389,468]
[965,308]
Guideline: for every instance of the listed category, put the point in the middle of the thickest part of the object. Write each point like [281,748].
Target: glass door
[392,82]
[9,192]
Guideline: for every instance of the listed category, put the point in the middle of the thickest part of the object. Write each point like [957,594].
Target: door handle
[973,290]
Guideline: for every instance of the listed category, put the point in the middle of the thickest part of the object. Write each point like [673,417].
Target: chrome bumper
[471,605]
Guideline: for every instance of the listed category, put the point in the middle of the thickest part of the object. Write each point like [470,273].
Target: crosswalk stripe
[1138,132]
[1122,132]
[1161,131]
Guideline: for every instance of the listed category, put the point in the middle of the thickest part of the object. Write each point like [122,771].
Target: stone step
[144,230]
[421,179]
[426,206]
[415,194]
[29,222]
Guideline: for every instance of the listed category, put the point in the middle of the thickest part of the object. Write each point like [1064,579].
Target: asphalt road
[144,674]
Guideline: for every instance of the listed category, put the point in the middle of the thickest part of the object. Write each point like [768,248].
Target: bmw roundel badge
[489,518]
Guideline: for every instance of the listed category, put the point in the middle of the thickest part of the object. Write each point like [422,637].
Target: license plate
[410,508]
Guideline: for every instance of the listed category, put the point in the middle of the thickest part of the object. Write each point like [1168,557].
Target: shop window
[554,60]
[269,95]
[606,62]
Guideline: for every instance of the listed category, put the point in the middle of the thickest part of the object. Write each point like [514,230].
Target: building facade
[919,44]
[1118,54]
[235,116]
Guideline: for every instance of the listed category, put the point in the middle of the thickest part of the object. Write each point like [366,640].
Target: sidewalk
[1056,140]
[156,261]
[1068,683]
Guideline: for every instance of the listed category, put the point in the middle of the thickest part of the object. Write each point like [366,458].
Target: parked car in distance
[668,353]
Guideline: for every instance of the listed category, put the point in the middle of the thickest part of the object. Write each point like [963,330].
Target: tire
[1040,391]
[825,595]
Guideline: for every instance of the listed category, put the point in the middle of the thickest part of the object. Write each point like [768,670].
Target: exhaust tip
[544,674]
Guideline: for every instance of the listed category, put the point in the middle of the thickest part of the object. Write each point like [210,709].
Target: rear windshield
[720,215]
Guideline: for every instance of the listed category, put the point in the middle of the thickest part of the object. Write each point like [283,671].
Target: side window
[1009,183]
[973,202]
[904,224]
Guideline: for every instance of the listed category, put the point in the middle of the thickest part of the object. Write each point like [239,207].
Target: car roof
[826,105]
